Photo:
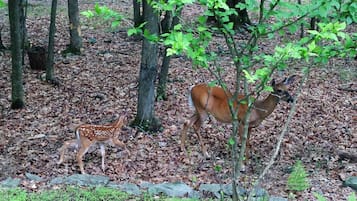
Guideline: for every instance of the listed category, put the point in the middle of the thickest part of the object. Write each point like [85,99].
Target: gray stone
[273,198]
[82,180]
[87,180]
[126,187]
[171,189]
[10,183]
[220,189]
[260,194]
[33,177]
[57,180]
[351,182]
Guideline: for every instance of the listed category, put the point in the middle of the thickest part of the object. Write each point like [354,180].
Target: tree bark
[138,17]
[17,93]
[74,28]
[240,20]
[148,71]
[167,24]
[51,40]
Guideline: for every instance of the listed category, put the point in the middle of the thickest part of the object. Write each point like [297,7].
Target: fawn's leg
[63,149]
[121,144]
[102,151]
[85,144]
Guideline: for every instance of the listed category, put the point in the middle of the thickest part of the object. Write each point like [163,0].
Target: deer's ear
[272,83]
[289,80]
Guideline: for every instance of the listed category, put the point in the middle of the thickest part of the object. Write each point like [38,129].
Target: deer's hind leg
[84,146]
[188,123]
[202,116]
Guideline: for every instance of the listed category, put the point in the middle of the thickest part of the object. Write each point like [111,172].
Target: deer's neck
[265,107]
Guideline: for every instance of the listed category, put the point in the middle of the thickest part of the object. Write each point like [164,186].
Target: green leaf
[352,197]
[115,23]
[249,77]
[319,197]
[218,168]
[297,180]
[87,14]
[2,4]
[231,141]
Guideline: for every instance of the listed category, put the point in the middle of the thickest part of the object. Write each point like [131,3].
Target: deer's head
[281,89]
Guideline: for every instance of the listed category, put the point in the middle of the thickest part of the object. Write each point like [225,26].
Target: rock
[351,182]
[219,189]
[273,198]
[126,187]
[33,177]
[10,183]
[171,189]
[82,180]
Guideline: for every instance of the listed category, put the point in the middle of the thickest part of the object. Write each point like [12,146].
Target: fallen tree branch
[347,155]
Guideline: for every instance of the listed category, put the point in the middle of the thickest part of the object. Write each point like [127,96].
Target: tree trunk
[51,40]
[2,47]
[74,28]
[167,24]
[138,17]
[240,20]
[148,71]
[17,94]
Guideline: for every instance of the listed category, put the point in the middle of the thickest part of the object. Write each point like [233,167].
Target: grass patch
[66,193]
[79,194]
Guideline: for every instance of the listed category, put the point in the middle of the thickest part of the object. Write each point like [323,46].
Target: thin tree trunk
[138,17]
[51,40]
[2,47]
[17,93]
[74,27]
[148,71]
[168,24]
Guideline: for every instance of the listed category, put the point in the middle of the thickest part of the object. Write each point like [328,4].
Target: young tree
[145,117]
[51,41]
[168,23]
[138,17]
[74,27]
[17,94]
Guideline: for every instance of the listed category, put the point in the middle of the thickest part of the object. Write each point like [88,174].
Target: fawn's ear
[289,80]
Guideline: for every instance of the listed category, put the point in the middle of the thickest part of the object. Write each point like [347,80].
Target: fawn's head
[120,122]
[281,89]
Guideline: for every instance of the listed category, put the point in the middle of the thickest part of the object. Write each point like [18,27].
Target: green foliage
[298,180]
[319,197]
[68,193]
[105,13]
[352,197]
[2,4]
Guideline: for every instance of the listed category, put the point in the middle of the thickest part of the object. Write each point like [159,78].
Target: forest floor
[102,83]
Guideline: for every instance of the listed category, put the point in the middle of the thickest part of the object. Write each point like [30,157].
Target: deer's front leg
[102,151]
[66,144]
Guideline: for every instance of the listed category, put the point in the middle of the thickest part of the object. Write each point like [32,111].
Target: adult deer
[87,135]
[214,100]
